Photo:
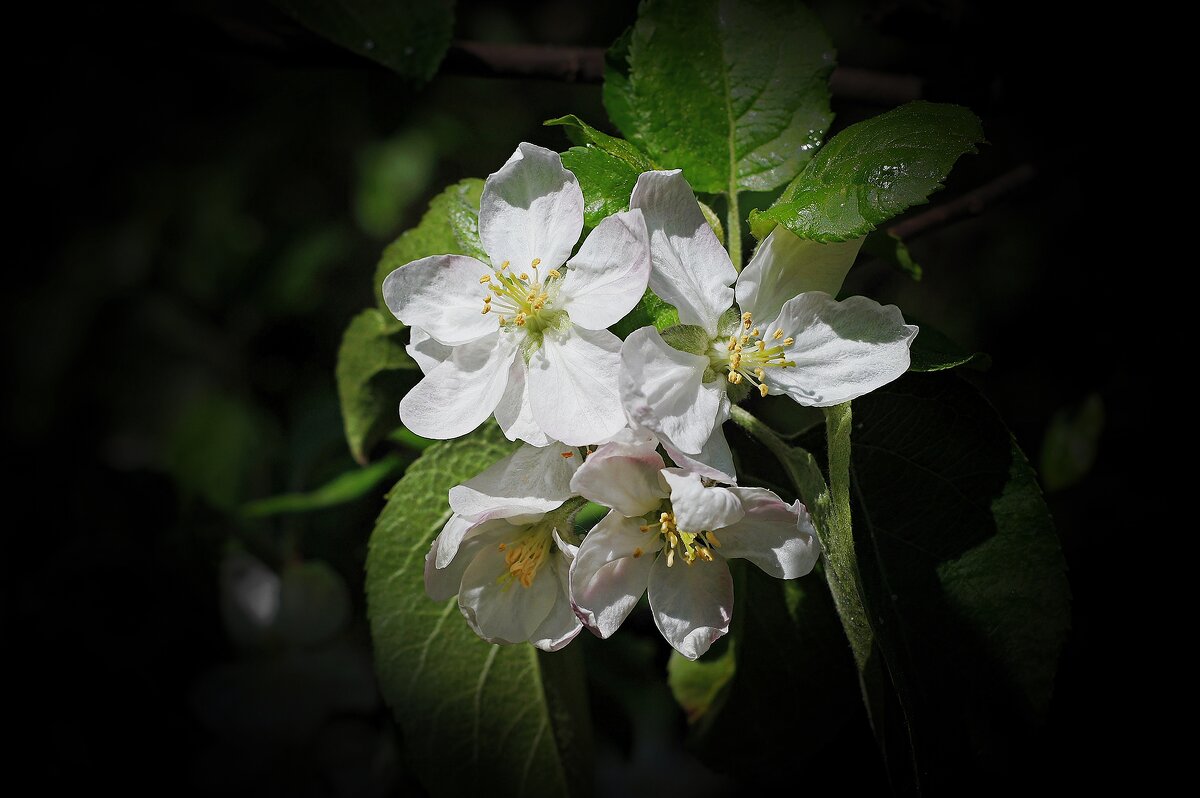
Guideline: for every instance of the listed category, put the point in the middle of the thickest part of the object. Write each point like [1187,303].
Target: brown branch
[586,65]
[972,203]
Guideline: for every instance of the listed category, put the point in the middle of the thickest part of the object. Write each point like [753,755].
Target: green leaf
[1071,444]
[932,350]
[734,92]
[476,718]
[450,226]
[409,37]
[784,671]
[650,310]
[961,577]
[341,489]
[607,168]
[373,371]
[872,171]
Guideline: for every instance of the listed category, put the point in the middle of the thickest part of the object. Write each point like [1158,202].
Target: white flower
[789,337]
[523,337]
[662,536]
[505,553]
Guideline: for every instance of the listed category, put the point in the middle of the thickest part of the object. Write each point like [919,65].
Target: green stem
[800,465]
[829,506]
[733,228]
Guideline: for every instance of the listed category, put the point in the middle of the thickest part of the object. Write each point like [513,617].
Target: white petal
[608,275]
[842,350]
[441,295]
[787,265]
[514,414]
[458,395]
[633,435]
[531,479]
[663,390]
[692,604]
[622,476]
[777,537]
[697,507]
[691,269]
[606,578]
[500,610]
[531,208]
[714,461]
[425,350]
[442,581]
[573,385]
[561,625]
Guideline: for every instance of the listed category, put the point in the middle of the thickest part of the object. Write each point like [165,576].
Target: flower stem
[733,227]
[829,505]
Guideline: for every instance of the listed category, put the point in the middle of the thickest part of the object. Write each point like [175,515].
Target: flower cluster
[524,338]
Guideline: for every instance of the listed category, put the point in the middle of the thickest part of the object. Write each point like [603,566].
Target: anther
[778,334]
[732,342]
[555,273]
[487,300]
[487,278]
[759,373]
[763,390]
[568,455]
[731,379]
[670,557]
[486,308]
[637,552]
[712,538]
[520,319]
[756,332]
[789,341]
[504,265]
[524,275]
[536,262]
[761,346]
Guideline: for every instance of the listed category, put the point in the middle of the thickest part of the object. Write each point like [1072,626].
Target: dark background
[198,218]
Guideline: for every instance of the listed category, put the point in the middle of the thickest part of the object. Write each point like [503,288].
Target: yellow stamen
[645,527]
[712,538]
[761,346]
[731,379]
[778,334]
[756,332]
[763,390]
[487,278]
[670,557]
[637,552]
[568,455]
[502,547]
[760,373]
[521,319]
[732,342]
[789,341]
[486,308]
[487,300]
[524,275]
[555,273]
[537,262]
[504,266]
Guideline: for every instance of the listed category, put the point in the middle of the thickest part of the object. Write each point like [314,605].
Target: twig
[972,203]
[586,65]
[486,59]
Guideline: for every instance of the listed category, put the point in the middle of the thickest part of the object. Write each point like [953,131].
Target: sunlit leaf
[734,92]
[477,718]
[872,171]
[373,371]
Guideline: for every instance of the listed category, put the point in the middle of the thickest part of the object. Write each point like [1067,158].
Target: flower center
[748,354]
[691,546]
[525,555]
[521,301]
